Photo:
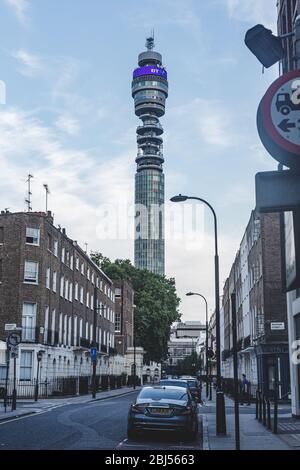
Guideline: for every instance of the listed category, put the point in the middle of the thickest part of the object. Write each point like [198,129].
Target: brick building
[262,332]
[49,287]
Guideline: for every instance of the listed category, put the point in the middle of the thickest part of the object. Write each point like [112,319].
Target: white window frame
[54,281]
[27,278]
[29,234]
[48,278]
[29,368]
[55,248]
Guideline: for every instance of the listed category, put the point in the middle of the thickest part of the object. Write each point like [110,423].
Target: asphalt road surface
[89,426]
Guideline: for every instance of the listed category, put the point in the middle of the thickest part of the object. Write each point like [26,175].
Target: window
[32,236]
[60,331]
[67,290]
[54,281]
[63,252]
[67,258]
[76,291]
[70,292]
[53,326]
[87,299]
[65,329]
[26,365]
[87,330]
[69,331]
[88,273]
[28,321]
[97,282]
[80,327]
[91,332]
[81,295]
[46,324]
[82,269]
[77,263]
[93,278]
[75,332]
[118,323]
[55,248]
[48,278]
[62,283]
[71,262]
[101,285]
[92,302]
[118,292]
[31,272]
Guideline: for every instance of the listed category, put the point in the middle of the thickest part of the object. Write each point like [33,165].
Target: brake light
[138,408]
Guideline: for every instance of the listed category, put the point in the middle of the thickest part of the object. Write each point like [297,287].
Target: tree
[156,304]
[190,365]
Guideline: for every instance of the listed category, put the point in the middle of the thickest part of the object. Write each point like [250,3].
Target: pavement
[253,435]
[30,407]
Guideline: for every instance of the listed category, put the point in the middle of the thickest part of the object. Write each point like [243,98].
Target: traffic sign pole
[7,375]
[14,394]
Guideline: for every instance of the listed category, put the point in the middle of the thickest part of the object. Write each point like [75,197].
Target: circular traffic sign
[14,339]
[278,119]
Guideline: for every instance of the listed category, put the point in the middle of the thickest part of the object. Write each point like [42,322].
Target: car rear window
[163,394]
[192,383]
[173,383]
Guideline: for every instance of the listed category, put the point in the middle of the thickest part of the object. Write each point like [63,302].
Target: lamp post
[189,294]
[36,390]
[220,404]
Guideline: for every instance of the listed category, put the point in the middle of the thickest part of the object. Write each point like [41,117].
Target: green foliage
[156,304]
[190,365]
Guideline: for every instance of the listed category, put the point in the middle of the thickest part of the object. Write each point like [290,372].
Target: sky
[68,119]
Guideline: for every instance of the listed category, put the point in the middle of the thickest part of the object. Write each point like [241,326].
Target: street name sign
[278,119]
[277,326]
[10,326]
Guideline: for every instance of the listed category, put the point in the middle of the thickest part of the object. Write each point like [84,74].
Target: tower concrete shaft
[150,91]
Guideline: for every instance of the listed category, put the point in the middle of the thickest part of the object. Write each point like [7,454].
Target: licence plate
[160,411]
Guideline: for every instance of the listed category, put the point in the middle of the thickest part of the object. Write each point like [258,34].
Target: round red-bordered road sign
[278,119]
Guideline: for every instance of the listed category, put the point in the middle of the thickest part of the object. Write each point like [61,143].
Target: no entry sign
[278,119]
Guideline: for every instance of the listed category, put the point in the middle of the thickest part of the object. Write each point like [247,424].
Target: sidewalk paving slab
[253,435]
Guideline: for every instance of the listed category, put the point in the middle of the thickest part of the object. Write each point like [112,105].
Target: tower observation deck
[150,90]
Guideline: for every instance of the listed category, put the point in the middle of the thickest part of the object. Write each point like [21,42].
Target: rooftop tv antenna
[47,190]
[150,41]
[29,193]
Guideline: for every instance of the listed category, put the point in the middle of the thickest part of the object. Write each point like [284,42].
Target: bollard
[275,414]
[256,404]
[269,414]
[264,411]
[260,407]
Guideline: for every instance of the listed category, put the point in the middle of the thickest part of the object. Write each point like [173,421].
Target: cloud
[68,124]
[20,9]
[31,65]
[257,11]
[210,121]
[77,178]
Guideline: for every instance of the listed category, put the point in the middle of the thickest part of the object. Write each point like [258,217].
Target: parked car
[191,383]
[163,408]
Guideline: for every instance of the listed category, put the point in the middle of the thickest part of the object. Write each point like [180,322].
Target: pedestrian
[245,389]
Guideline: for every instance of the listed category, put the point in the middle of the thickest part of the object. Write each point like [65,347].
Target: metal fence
[60,386]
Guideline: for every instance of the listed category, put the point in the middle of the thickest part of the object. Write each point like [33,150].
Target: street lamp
[189,294]
[36,390]
[220,403]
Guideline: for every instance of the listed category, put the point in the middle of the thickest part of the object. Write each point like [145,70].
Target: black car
[163,408]
[192,384]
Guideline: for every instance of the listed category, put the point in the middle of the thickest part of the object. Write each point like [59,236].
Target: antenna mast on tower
[29,193]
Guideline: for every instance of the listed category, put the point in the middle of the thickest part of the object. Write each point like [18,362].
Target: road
[88,426]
